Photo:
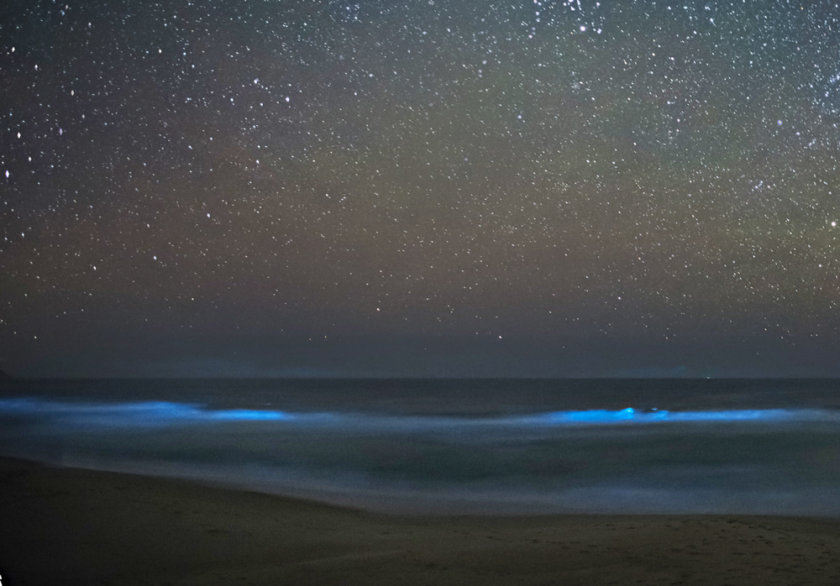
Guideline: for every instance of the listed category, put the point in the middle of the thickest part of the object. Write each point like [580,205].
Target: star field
[530,187]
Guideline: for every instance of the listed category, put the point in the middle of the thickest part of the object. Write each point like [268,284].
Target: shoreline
[71,525]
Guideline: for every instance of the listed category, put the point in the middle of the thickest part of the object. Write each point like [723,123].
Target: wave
[137,413]
[761,460]
[163,413]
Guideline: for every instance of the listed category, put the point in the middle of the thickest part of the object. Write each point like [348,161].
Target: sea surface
[455,446]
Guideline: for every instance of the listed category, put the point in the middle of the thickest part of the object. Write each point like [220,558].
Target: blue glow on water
[250,415]
[765,448]
[136,413]
[633,416]
[592,416]
[746,415]
[157,413]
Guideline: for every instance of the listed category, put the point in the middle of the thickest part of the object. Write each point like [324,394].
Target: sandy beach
[70,526]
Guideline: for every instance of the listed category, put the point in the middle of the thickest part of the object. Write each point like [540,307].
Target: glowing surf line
[142,412]
[630,415]
[156,413]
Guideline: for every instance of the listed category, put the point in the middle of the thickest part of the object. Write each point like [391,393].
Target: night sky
[420,188]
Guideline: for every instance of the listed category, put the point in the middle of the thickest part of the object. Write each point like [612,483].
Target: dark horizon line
[10,377]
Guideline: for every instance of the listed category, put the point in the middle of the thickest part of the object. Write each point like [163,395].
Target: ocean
[455,446]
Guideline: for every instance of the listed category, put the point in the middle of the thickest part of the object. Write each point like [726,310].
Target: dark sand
[68,526]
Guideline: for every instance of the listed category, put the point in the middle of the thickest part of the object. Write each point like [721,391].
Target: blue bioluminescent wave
[249,415]
[134,413]
[398,453]
[152,413]
[630,415]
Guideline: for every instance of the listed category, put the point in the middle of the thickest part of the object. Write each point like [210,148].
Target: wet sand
[71,526]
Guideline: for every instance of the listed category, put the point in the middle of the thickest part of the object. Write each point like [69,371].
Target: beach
[74,526]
